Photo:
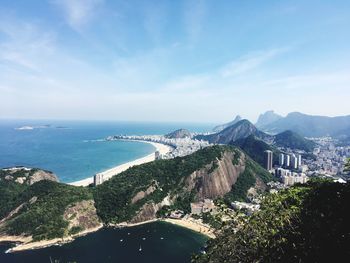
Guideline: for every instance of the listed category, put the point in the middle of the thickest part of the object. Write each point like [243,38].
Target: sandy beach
[162,148]
[188,223]
[26,242]
[193,225]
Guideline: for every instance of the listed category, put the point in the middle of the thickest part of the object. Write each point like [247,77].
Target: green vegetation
[290,139]
[212,220]
[347,165]
[113,198]
[305,223]
[247,180]
[43,206]
[256,148]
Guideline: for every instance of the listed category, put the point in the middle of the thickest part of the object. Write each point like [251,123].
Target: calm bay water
[163,243]
[72,149]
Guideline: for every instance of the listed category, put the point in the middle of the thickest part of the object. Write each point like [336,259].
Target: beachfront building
[157,155]
[202,207]
[98,179]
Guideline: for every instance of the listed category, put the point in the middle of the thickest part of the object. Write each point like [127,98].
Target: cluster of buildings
[329,158]
[202,207]
[249,207]
[289,169]
[289,178]
[180,146]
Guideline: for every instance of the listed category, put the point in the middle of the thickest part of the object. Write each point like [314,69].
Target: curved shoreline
[162,148]
[25,243]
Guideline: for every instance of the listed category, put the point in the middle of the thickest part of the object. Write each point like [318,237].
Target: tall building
[269,159]
[294,162]
[299,160]
[287,161]
[98,179]
[157,155]
[281,159]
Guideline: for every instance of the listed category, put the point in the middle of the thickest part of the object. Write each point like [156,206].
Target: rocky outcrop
[212,183]
[24,175]
[42,175]
[142,194]
[81,216]
[147,212]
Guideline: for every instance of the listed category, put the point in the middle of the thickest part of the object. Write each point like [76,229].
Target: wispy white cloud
[194,15]
[24,43]
[251,61]
[78,13]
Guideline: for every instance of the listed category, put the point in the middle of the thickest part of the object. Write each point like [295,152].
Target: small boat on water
[143,238]
[162,238]
[140,249]
[121,240]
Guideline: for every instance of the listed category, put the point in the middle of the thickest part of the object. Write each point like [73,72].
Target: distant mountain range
[224,126]
[308,125]
[267,118]
[243,129]
[239,130]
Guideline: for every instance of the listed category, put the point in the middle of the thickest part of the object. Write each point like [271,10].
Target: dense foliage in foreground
[41,214]
[305,223]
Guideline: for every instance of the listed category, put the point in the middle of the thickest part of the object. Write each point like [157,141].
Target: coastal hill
[290,139]
[221,127]
[140,192]
[178,134]
[310,125]
[239,130]
[256,148]
[49,211]
[34,208]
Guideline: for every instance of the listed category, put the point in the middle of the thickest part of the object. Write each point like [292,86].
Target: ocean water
[73,150]
[163,243]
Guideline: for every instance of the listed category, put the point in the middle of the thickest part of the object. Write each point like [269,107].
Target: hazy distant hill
[290,139]
[311,126]
[256,148]
[181,133]
[224,126]
[267,118]
[239,130]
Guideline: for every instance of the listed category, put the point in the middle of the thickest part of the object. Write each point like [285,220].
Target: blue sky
[194,60]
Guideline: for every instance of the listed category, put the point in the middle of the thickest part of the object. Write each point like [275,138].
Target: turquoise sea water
[163,243]
[73,149]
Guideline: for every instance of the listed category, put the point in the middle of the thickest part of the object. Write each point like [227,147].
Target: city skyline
[173,61]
